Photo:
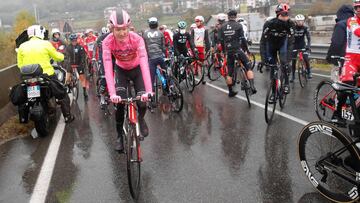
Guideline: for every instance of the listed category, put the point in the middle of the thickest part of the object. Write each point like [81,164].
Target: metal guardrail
[9,77]
[318,51]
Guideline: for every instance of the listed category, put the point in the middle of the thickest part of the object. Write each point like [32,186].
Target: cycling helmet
[153,22]
[72,37]
[182,24]
[104,30]
[232,13]
[282,8]
[55,30]
[300,17]
[88,31]
[120,18]
[221,17]
[356,3]
[36,31]
[199,18]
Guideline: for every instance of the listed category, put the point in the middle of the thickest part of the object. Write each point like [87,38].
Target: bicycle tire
[302,73]
[245,84]
[175,94]
[324,89]
[189,79]
[281,95]
[133,162]
[200,73]
[329,134]
[213,72]
[269,113]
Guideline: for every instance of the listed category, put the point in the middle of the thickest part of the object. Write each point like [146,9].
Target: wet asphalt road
[216,150]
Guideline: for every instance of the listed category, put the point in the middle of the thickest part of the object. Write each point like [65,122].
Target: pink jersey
[129,54]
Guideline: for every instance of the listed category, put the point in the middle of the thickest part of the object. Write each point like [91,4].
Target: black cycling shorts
[123,78]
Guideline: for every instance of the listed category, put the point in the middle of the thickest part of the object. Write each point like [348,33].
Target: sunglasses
[284,14]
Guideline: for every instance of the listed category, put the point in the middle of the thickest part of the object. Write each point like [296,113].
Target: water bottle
[161,78]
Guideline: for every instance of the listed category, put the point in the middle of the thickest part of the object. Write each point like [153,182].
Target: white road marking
[47,169]
[288,116]
[321,75]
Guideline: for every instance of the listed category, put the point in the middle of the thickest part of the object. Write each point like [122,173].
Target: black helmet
[153,22]
[232,13]
[72,37]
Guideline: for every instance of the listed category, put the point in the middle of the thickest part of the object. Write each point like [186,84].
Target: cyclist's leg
[152,66]
[121,82]
[247,64]
[283,51]
[136,77]
[293,65]
[230,65]
[83,80]
[307,63]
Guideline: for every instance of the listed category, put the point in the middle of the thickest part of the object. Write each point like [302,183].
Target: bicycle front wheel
[270,105]
[282,95]
[133,155]
[325,101]
[324,152]
[213,72]
[200,73]
[302,73]
[175,95]
[190,79]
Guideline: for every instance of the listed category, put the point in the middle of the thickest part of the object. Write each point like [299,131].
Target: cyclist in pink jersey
[129,50]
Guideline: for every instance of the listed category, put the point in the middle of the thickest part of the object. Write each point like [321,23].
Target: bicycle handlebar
[338,57]
[301,50]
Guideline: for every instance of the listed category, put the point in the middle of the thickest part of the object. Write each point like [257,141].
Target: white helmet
[55,30]
[199,18]
[221,17]
[104,30]
[89,30]
[300,17]
[36,31]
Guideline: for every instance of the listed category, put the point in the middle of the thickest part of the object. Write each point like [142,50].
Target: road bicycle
[276,91]
[301,67]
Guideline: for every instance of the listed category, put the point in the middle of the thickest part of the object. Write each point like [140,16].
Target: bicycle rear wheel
[325,101]
[175,95]
[133,155]
[245,85]
[270,107]
[213,72]
[302,73]
[322,150]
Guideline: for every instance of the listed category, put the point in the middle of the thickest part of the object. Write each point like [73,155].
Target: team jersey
[129,54]
[352,39]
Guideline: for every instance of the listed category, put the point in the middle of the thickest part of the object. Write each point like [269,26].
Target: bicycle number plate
[33,91]
[347,114]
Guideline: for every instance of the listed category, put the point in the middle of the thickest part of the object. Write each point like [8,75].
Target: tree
[22,21]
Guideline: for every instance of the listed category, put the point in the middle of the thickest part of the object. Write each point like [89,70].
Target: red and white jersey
[199,37]
[90,42]
[353,45]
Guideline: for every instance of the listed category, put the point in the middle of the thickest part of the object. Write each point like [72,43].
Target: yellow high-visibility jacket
[38,51]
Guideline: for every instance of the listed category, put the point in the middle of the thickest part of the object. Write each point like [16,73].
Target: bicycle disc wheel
[252,60]
[133,162]
[325,101]
[323,151]
[302,73]
[175,95]
[200,74]
[190,79]
[269,108]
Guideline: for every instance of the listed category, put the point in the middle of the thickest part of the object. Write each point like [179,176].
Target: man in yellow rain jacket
[39,51]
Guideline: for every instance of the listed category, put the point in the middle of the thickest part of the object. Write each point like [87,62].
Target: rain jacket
[38,51]
[338,39]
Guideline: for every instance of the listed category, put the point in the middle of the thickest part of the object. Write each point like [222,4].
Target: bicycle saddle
[338,86]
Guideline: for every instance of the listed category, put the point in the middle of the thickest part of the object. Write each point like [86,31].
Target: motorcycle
[36,99]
